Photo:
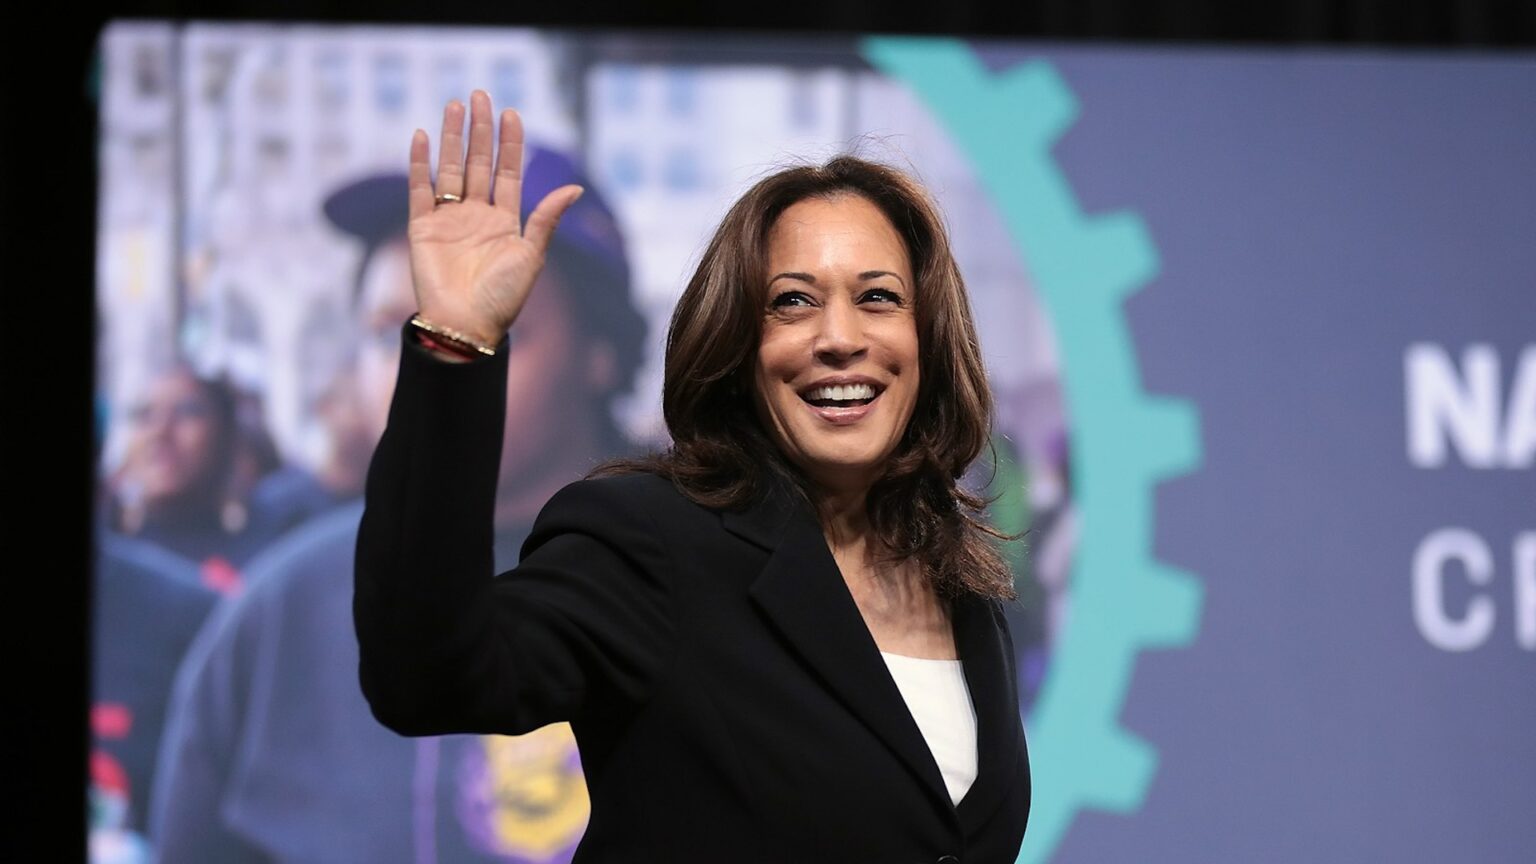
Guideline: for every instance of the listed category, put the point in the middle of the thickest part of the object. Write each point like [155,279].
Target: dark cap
[587,250]
[376,210]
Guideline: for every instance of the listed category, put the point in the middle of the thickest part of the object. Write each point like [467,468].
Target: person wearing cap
[781,639]
[270,752]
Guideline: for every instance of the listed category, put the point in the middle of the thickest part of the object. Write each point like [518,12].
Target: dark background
[49,228]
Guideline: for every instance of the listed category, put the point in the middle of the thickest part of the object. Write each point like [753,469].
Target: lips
[842,401]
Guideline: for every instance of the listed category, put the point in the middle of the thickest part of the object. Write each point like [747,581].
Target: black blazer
[729,702]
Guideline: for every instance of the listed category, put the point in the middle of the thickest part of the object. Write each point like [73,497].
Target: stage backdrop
[1261,327]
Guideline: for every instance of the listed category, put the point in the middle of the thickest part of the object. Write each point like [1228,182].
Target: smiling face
[173,443]
[837,365]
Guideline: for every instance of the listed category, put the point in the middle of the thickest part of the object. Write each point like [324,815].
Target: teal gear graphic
[1125,440]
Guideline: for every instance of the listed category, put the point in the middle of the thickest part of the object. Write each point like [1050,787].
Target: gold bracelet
[450,335]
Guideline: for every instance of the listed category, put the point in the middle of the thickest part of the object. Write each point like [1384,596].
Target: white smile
[840,395]
[843,392]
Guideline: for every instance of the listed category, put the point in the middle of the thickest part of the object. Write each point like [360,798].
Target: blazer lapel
[803,594]
[999,733]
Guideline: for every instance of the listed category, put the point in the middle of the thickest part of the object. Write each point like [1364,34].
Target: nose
[840,337]
[150,420]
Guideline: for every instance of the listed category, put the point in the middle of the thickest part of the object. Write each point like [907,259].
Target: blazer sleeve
[582,624]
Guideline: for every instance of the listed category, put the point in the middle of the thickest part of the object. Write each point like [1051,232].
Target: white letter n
[1443,406]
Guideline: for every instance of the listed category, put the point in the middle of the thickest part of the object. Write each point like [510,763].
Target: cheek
[777,362]
[768,402]
[190,440]
[915,373]
[904,355]
[544,374]
[535,387]
[137,443]
[547,395]
[903,360]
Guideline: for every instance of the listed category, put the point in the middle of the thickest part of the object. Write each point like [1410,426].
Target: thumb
[542,222]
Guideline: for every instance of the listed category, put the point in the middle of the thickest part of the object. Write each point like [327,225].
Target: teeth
[843,392]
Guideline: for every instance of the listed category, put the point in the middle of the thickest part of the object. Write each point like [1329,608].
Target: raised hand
[472,260]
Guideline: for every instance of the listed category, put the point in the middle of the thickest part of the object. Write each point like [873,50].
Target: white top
[941,704]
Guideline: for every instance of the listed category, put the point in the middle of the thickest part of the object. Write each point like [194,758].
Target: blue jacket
[270,753]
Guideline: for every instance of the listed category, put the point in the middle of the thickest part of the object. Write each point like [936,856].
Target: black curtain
[1461,23]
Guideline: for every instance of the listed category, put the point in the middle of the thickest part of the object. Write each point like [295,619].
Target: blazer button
[948,859]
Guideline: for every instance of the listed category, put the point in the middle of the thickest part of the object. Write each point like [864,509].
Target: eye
[790,298]
[884,295]
[189,409]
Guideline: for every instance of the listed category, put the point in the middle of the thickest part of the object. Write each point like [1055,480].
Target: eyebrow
[863,277]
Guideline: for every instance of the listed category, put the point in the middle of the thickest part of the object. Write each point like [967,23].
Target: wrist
[448,340]
[439,350]
[464,328]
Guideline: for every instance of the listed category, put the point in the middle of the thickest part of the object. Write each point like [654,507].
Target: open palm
[473,262]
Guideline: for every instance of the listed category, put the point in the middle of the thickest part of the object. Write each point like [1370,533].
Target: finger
[508,193]
[420,184]
[477,167]
[542,222]
[450,155]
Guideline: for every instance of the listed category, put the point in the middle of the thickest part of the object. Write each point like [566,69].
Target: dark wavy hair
[722,458]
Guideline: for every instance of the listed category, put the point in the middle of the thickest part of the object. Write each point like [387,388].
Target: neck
[844,517]
[195,507]
[895,599]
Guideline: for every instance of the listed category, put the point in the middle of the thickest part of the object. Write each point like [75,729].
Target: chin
[842,471]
